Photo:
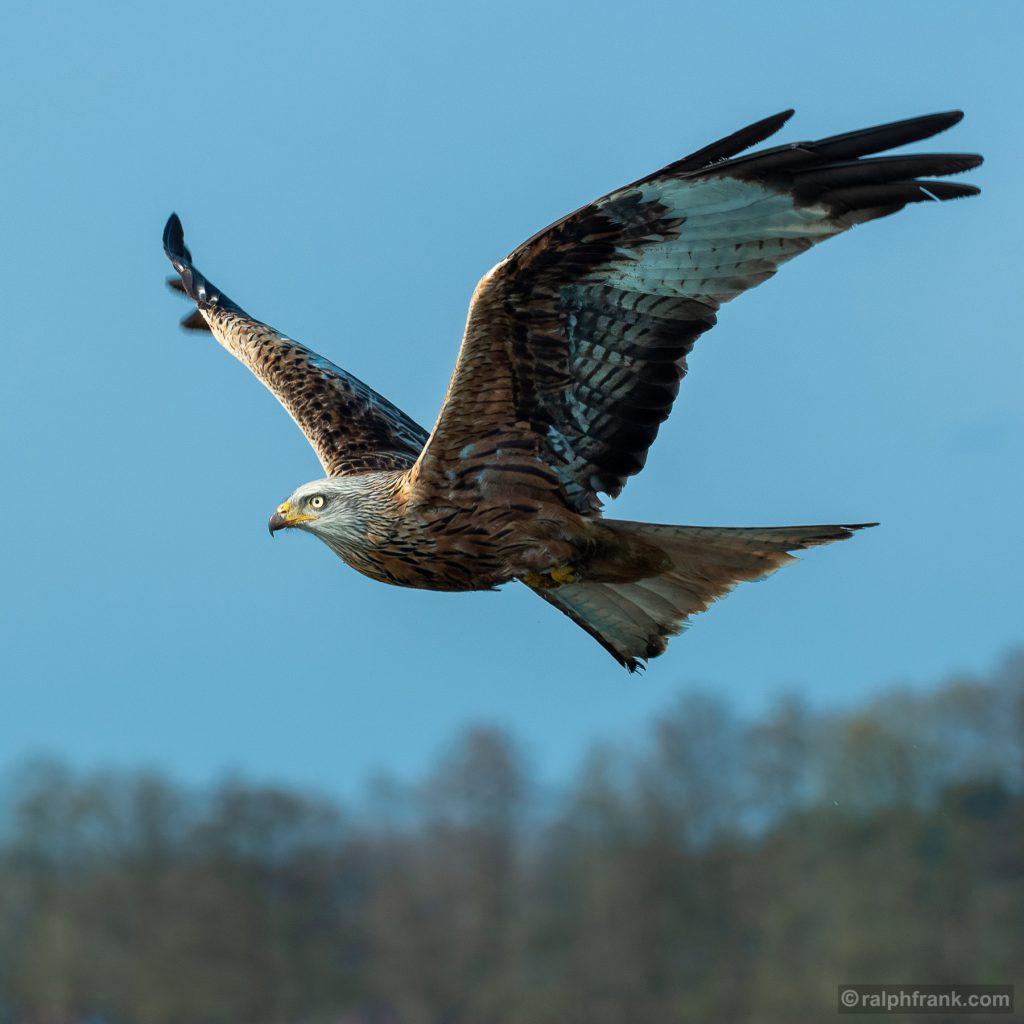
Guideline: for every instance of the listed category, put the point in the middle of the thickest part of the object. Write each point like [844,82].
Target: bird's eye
[317,501]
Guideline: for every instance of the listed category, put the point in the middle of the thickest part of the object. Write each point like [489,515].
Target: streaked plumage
[571,359]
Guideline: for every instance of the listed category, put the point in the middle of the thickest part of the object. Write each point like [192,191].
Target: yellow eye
[317,501]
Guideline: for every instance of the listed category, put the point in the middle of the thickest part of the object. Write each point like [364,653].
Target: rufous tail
[633,620]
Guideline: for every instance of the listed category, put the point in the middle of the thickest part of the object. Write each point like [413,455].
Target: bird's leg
[557,577]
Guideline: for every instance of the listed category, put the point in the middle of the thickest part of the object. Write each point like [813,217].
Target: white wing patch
[734,236]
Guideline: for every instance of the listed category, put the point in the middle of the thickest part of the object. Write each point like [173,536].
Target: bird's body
[572,357]
[394,539]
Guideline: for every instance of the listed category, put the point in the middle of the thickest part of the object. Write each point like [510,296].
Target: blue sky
[347,173]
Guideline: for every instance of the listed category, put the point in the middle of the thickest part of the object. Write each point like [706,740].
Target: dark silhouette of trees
[717,869]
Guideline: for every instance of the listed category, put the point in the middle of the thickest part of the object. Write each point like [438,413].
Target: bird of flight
[571,359]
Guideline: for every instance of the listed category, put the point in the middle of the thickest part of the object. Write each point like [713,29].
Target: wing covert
[352,428]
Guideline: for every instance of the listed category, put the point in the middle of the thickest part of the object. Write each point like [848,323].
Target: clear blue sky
[347,172]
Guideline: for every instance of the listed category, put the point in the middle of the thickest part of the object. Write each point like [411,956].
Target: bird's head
[334,509]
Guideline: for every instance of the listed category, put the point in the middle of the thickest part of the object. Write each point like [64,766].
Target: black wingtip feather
[731,145]
[195,321]
[174,241]
[201,291]
[864,141]
[880,169]
[192,283]
[943,190]
[869,201]
[841,173]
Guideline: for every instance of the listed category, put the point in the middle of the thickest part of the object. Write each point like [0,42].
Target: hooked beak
[284,516]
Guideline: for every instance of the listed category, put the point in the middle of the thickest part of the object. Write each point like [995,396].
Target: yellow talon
[549,580]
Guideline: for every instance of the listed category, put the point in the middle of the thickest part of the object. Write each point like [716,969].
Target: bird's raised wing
[576,343]
[351,427]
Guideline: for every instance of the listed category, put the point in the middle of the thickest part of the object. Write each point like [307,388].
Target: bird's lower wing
[351,427]
[576,343]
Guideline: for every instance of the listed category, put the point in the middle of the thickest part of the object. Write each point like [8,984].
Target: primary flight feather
[571,359]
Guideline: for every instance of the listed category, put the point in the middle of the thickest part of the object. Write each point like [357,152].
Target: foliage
[723,870]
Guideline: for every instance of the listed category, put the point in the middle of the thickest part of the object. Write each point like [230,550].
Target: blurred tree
[778,767]
[444,924]
[721,870]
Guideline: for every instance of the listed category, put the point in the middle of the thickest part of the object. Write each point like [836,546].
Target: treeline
[719,870]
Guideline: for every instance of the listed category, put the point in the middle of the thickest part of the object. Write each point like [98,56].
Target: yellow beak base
[284,517]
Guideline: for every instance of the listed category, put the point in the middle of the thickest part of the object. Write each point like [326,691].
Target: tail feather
[633,620]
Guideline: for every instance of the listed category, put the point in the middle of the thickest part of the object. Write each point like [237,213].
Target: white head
[340,510]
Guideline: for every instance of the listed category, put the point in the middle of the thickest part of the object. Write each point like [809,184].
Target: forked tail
[634,620]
